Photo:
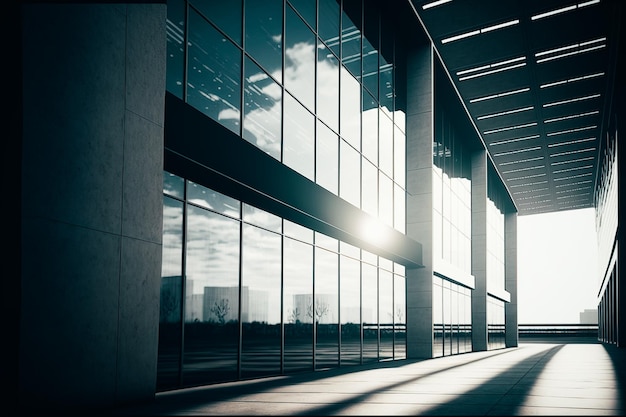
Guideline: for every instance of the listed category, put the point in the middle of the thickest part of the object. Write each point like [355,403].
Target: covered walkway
[534,379]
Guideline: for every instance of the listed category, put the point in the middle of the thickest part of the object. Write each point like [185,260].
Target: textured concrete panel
[88,165]
[419,183]
[145,61]
[140,285]
[142,216]
[510,309]
[419,199]
[479,250]
[419,141]
[69,314]
[73,127]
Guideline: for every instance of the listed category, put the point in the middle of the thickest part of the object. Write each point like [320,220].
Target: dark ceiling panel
[535,77]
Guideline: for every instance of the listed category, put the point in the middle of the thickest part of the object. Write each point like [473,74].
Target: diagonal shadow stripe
[173,403]
[454,405]
[537,363]
[618,359]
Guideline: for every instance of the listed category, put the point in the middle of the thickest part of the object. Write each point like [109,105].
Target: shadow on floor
[618,358]
[172,403]
[459,405]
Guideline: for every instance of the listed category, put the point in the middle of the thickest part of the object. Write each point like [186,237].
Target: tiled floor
[533,379]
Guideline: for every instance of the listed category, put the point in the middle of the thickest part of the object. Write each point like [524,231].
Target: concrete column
[510,282]
[93,111]
[420,115]
[479,250]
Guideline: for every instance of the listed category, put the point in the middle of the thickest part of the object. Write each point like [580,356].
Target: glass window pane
[262,110]
[369,187]
[437,317]
[349,250]
[170,317]
[370,128]
[350,109]
[399,209]
[326,309]
[454,319]
[447,344]
[349,174]
[328,87]
[260,302]
[327,158]
[306,8]
[173,185]
[385,143]
[300,59]
[297,231]
[399,157]
[213,200]
[214,77]
[370,313]
[326,242]
[385,81]
[370,47]
[351,37]
[264,34]
[385,200]
[211,297]
[175,47]
[226,15]
[370,68]
[399,301]
[299,138]
[385,314]
[328,16]
[298,305]
[349,293]
[385,264]
[262,218]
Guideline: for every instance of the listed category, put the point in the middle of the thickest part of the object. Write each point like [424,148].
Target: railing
[554,331]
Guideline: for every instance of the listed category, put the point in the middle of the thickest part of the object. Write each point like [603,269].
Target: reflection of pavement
[536,378]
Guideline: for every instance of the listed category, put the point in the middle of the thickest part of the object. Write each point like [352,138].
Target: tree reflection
[221,310]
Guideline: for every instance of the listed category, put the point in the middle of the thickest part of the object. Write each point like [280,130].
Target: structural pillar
[479,250]
[92,203]
[510,283]
[420,120]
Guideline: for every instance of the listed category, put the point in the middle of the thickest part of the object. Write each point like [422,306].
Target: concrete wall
[420,116]
[479,250]
[93,108]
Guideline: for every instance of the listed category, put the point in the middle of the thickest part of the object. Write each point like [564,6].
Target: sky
[556,266]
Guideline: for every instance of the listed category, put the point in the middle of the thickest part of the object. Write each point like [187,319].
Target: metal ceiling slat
[536,132]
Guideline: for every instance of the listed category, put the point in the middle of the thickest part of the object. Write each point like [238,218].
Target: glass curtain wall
[495,260]
[452,318]
[452,211]
[607,220]
[452,195]
[248,294]
[315,85]
[495,323]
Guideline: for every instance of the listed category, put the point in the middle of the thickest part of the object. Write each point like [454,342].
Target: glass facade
[496,209]
[316,86]
[495,233]
[452,318]
[323,99]
[452,232]
[247,294]
[452,196]
[607,220]
[495,323]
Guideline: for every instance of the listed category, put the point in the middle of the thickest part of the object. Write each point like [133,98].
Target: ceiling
[536,78]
